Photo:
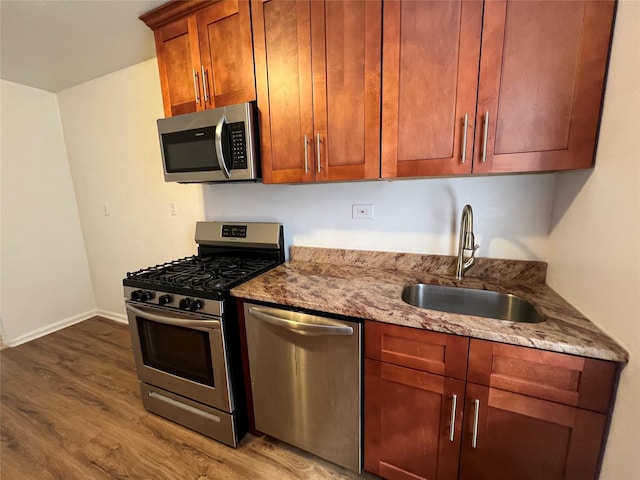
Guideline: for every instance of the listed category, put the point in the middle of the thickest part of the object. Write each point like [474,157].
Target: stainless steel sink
[467,301]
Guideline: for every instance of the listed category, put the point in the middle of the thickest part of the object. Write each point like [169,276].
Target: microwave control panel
[238,145]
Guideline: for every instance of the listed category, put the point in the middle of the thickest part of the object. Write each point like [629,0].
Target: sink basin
[467,301]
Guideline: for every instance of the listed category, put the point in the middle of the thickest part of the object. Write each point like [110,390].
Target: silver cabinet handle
[212,324]
[306,154]
[486,136]
[205,88]
[464,138]
[301,327]
[476,412]
[318,149]
[454,405]
[219,152]
[195,85]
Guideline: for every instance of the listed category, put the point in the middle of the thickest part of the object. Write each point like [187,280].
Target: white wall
[594,259]
[511,213]
[45,278]
[114,154]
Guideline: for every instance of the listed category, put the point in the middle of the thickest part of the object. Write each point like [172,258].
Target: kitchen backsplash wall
[511,213]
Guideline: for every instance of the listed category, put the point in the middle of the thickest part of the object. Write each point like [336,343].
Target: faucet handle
[471,259]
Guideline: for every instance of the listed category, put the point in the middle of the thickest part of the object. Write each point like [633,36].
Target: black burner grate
[209,274]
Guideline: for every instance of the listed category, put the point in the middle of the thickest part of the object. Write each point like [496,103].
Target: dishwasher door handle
[301,327]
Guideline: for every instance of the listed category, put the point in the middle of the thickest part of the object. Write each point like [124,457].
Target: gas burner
[203,273]
[228,254]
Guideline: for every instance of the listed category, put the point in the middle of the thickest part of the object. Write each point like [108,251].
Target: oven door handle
[211,324]
[301,327]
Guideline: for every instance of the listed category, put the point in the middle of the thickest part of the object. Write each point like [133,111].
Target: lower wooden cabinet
[520,413]
[412,422]
[510,436]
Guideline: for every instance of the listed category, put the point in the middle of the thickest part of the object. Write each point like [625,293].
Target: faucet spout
[466,241]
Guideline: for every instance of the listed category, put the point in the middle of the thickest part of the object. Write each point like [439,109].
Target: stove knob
[184,303]
[145,296]
[164,299]
[195,305]
[135,295]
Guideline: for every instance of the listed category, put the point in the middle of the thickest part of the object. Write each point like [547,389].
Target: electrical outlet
[106,210]
[173,208]
[362,211]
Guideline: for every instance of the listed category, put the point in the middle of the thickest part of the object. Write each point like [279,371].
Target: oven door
[181,352]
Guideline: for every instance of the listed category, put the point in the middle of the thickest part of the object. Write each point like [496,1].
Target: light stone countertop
[368,285]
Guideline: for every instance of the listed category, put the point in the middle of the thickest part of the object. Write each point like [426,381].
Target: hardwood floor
[70,409]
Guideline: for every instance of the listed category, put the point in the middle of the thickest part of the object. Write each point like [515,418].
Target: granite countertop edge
[368,285]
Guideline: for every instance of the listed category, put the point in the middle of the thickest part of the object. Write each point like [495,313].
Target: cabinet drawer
[577,381]
[432,352]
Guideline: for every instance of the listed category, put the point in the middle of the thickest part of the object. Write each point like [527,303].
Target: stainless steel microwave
[217,145]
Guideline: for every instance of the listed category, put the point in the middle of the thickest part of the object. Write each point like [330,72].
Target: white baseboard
[116,317]
[54,327]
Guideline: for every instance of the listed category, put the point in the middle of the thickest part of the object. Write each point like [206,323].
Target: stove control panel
[180,302]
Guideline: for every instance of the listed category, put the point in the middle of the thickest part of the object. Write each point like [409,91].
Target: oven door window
[180,351]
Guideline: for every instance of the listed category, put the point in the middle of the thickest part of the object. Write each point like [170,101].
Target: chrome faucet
[466,242]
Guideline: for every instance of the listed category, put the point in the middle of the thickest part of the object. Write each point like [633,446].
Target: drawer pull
[476,412]
[454,405]
[195,85]
[306,154]
[205,87]
[486,137]
[464,138]
[318,149]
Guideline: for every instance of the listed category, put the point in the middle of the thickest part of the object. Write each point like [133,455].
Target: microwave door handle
[220,154]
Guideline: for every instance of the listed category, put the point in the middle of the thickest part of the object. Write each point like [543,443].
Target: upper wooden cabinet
[318,83]
[430,77]
[204,54]
[539,85]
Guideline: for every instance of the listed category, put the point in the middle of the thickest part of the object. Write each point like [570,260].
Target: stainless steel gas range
[184,327]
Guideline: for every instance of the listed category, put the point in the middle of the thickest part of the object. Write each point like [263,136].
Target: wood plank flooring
[70,409]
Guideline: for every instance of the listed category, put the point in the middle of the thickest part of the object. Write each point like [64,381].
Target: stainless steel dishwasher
[306,381]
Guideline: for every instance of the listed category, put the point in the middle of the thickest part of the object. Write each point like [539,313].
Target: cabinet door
[346,53]
[527,438]
[224,32]
[541,84]
[179,65]
[408,428]
[429,84]
[282,51]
